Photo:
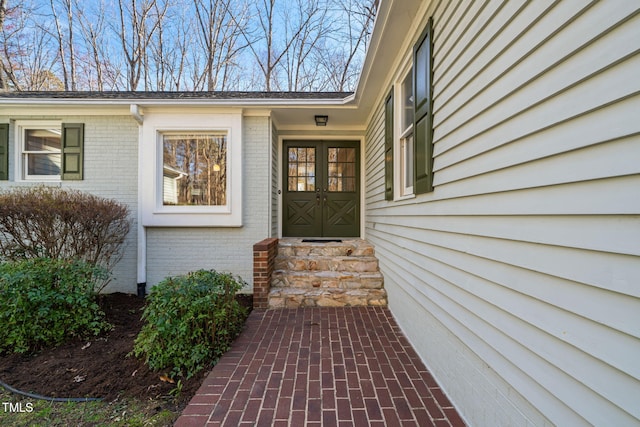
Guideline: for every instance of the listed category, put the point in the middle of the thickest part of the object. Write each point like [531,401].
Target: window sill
[406,197]
[55,180]
[184,218]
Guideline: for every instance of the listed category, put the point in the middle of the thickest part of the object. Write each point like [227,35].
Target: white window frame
[404,152]
[154,211]
[21,155]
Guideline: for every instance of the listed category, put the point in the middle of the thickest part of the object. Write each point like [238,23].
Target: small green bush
[190,321]
[43,302]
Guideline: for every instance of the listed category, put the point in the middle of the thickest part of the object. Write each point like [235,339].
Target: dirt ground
[98,367]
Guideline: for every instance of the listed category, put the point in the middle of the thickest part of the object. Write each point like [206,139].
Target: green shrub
[190,321]
[52,222]
[43,302]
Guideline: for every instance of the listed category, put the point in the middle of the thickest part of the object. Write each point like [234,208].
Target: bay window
[191,169]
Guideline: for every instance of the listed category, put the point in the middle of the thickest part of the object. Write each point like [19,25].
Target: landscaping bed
[100,368]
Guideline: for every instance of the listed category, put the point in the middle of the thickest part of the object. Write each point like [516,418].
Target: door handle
[318,200]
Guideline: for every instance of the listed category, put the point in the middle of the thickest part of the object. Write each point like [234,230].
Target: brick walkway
[320,366]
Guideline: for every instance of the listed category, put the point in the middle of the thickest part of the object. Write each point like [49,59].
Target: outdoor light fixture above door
[321,120]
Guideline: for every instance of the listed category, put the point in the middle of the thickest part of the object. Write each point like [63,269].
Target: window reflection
[341,169]
[194,169]
[301,175]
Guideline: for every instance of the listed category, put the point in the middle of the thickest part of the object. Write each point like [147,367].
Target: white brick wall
[110,170]
[172,251]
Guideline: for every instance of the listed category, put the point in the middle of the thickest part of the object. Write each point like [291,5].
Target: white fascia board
[16,110]
[238,103]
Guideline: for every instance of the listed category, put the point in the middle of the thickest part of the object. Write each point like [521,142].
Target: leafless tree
[295,45]
[220,24]
[309,23]
[28,57]
[9,38]
[179,67]
[92,30]
[3,12]
[138,23]
[66,48]
[267,49]
[350,43]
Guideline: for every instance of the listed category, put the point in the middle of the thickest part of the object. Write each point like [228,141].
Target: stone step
[359,264]
[295,297]
[326,274]
[326,279]
[348,247]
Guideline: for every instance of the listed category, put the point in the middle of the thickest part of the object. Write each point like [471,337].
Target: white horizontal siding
[518,276]
[374,150]
[488,154]
[618,235]
[599,197]
[580,99]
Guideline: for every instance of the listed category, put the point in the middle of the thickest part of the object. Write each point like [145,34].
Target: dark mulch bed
[101,369]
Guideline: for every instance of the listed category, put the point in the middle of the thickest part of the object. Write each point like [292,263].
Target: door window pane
[302,169]
[341,169]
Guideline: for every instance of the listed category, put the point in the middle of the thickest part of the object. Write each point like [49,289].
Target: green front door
[321,196]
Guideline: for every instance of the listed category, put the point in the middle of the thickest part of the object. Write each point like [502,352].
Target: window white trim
[154,212]
[20,156]
[403,157]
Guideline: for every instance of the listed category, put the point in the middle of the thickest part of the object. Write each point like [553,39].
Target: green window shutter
[72,151]
[388,147]
[4,151]
[423,117]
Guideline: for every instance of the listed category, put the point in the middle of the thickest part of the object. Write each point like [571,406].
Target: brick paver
[339,366]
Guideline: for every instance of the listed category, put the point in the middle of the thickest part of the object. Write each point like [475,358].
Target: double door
[321,189]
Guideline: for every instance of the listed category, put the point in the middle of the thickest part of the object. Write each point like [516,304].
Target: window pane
[302,155]
[341,170]
[408,162]
[43,164]
[195,169]
[301,169]
[42,140]
[293,155]
[407,101]
[293,169]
